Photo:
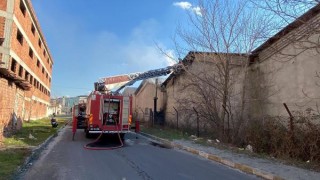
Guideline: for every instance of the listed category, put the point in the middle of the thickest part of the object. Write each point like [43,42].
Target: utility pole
[155,103]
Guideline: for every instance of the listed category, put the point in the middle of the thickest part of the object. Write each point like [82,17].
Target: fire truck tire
[122,136]
[88,135]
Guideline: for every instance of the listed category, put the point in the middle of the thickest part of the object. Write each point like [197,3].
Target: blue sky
[98,38]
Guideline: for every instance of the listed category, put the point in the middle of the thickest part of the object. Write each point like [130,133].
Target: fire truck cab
[108,114]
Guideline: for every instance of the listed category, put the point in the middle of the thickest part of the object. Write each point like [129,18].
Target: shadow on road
[106,140]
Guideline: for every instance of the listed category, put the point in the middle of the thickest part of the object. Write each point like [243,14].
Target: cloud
[183,5]
[136,53]
[197,10]
[188,6]
[85,54]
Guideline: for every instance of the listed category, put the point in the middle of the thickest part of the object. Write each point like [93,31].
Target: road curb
[242,167]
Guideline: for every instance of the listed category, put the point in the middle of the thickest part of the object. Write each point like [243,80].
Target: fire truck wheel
[88,135]
[122,136]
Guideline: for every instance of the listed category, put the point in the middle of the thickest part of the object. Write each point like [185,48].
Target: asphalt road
[138,159]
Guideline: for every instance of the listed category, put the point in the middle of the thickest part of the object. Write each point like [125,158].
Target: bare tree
[302,32]
[291,14]
[221,38]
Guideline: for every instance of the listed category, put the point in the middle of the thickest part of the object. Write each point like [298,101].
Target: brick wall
[11,101]
[34,37]
[2,21]
[143,100]
[3,5]
[33,64]
[40,62]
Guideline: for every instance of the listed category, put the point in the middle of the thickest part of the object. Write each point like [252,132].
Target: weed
[32,133]
[16,148]
[164,132]
[10,159]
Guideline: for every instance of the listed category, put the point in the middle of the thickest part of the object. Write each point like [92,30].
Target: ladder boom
[122,81]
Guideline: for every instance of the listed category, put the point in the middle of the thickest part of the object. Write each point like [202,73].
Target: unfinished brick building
[25,66]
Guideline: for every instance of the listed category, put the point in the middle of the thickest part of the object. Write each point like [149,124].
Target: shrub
[273,136]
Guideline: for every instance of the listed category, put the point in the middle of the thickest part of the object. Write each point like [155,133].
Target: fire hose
[87,146]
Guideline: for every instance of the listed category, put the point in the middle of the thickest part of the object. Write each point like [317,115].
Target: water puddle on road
[106,141]
[109,141]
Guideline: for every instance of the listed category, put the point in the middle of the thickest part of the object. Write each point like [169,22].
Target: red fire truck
[110,112]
